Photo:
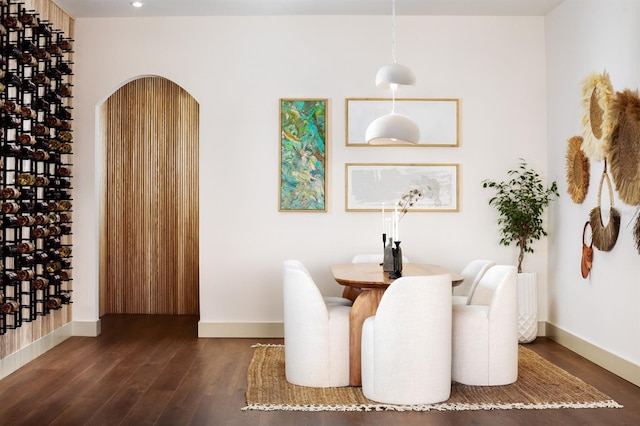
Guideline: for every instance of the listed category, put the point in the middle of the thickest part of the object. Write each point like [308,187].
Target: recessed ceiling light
[136,3]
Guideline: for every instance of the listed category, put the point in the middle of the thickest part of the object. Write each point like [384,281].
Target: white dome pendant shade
[392,129]
[394,74]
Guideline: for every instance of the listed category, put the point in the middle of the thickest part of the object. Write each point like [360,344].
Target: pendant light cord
[393,31]
[393,51]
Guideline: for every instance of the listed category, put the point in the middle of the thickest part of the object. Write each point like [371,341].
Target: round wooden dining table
[373,281]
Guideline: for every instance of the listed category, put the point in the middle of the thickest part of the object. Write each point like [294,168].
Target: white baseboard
[87,328]
[270,330]
[617,365]
[13,361]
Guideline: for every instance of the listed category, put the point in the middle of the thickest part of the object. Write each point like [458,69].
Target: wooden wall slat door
[149,261]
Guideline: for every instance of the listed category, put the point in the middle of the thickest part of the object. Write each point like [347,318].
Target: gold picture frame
[437,119]
[370,186]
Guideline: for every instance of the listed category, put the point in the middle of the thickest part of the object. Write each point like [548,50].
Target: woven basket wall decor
[604,237]
[597,94]
[577,170]
[623,148]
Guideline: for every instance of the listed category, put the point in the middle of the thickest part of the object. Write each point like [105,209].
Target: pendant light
[393,128]
[394,73]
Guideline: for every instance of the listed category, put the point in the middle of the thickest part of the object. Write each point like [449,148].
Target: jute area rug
[540,385]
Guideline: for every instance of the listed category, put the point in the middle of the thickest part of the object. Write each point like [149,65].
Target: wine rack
[36,140]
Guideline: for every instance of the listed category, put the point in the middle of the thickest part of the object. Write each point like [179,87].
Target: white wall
[583,37]
[239,67]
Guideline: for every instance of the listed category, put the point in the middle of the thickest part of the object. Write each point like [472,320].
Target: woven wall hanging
[623,148]
[636,232]
[597,94]
[577,168]
[586,262]
[604,237]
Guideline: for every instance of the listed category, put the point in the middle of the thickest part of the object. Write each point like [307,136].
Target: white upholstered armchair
[316,333]
[485,331]
[472,274]
[406,346]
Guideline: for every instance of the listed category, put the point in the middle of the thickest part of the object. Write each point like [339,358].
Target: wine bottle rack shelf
[36,153]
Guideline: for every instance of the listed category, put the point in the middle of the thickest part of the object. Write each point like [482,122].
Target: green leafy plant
[520,201]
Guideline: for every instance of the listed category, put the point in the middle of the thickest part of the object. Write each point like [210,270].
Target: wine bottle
[26,139]
[55,230]
[64,136]
[54,49]
[53,266]
[27,112]
[64,251]
[64,90]
[42,180]
[12,149]
[10,207]
[42,257]
[10,306]
[41,155]
[52,242]
[25,274]
[10,193]
[26,260]
[54,217]
[28,59]
[65,217]
[12,23]
[65,298]
[10,250]
[40,283]
[65,125]
[41,219]
[10,222]
[25,247]
[40,232]
[63,113]
[63,205]
[53,98]
[54,302]
[41,130]
[41,105]
[64,68]
[26,179]
[41,78]
[53,73]
[28,19]
[12,79]
[29,86]
[27,152]
[44,29]
[42,53]
[26,220]
[52,121]
[65,148]
[9,106]
[10,277]
[65,44]
[63,171]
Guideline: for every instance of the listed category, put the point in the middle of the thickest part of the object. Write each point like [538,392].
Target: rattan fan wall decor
[577,168]
[604,237]
[623,148]
[597,94]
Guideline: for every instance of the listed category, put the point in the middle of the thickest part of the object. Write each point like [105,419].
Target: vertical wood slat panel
[149,200]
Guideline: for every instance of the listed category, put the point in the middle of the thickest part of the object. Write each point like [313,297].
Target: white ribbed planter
[527,307]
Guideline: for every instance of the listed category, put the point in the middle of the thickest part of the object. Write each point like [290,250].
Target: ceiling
[122,8]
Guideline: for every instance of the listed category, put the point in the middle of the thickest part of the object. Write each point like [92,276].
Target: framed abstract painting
[303,155]
[370,187]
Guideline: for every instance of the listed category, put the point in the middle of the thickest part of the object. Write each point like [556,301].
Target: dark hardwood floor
[153,370]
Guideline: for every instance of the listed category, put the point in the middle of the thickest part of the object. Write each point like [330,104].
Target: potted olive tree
[521,201]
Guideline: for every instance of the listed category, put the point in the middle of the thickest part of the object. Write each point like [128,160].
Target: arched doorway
[149,200]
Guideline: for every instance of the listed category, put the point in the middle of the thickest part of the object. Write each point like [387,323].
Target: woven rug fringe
[257,345]
[431,407]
